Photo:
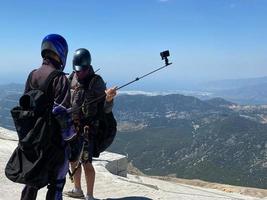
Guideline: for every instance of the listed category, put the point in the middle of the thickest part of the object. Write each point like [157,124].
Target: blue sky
[207,39]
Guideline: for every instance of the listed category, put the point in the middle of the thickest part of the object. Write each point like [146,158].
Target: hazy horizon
[20,78]
[148,84]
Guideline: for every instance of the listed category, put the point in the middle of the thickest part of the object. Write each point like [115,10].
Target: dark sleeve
[102,87]
[62,91]
[97,90]
[108,106]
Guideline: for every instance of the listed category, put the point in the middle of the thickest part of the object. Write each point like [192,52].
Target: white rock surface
[110,186]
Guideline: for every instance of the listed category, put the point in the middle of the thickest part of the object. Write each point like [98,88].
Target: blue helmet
[57,44]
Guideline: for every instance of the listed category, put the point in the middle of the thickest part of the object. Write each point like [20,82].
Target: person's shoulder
[97,82]
[71,76]
[98,77]
[59,76]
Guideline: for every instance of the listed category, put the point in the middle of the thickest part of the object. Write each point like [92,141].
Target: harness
[81,129]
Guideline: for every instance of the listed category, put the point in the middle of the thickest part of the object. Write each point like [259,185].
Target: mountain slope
[190,138]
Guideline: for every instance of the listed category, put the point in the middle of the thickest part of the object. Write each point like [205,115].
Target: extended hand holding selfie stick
[164,56]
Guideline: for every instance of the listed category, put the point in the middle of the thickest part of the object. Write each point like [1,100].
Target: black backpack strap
[48,80]
[71,76]
[29,80]
[30,75]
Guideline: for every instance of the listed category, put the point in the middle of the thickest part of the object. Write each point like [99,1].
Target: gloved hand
[59,110]
[65,122]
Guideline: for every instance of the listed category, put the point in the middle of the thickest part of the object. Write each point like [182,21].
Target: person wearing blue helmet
[54,50]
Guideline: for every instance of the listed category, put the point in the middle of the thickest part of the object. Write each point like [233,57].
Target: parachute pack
[40,142]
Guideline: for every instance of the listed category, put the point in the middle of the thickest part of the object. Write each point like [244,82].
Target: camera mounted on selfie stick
[164,56]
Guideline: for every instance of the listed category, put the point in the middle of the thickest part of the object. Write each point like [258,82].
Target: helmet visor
[78,68]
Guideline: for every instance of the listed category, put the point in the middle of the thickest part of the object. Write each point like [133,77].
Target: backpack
[107,126]
[39,149]
[106,133]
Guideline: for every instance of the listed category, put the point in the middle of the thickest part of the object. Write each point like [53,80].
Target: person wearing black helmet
[54,50]
[85,87]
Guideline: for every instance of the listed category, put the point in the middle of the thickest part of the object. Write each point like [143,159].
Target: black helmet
[81,59]
[57,45]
